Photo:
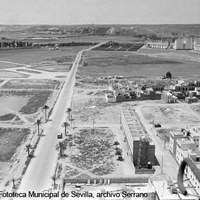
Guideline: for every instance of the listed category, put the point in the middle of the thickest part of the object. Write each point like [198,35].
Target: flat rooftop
[164,193]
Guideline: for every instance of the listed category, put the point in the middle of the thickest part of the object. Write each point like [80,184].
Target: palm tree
[69,110]
[13,181]
[61,148]
[28,147]
[54,180]
[65,124]
[38,122]
[45,108]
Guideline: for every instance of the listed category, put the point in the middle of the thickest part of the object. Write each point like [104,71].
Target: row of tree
[15,44]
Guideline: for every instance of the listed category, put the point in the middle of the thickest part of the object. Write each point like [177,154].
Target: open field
[29,71]
[31,84]
[11,103]
[95,149]
[98,63]
[37,100]
[26,102]
[4,65]
[10,74]
[28,56]
[53,67]
[170,116]
[172,54]
[10,139]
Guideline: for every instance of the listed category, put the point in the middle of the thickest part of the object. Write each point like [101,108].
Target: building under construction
[141,148]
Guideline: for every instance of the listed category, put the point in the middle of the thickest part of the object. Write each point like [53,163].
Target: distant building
[168,97]
[148,94]
[191,99]
[158,45]
[183,43]
[197,45]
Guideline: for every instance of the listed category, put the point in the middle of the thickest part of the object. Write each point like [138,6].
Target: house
[168,97]
[197,45]
[191,99]
[158,45]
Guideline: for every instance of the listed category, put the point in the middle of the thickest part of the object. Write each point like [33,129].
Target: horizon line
[99,24]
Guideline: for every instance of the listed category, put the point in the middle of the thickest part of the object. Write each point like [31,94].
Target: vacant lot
[95,149]
[170,115]
[26,102]
[31,84]
[53,67]
[36,101]
[10,139]
[27,56]
[174,54]
[99,63]
[9,74]
[11,103]
[28,71]
[4,65]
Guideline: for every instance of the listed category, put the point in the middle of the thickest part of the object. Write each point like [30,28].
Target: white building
[192,172]
[183,43]
[163,192]
[184,147]
[197,45]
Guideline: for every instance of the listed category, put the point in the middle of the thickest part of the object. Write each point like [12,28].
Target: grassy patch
[7,117]
[29,71]
[135,65]
[54,67]
[35,102]
[164,134]
[95,151]
[10,139]
[31,84]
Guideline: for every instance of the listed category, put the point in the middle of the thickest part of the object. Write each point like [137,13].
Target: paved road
[42,167]
[170,166]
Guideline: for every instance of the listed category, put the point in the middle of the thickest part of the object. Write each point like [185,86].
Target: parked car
[59,136]
[157,125]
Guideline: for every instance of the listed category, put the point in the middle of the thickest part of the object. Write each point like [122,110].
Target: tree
[45,108]
[116,143]
[69,110]
[38,122]
[169,75]
[13,181]
[60,148]
[65,124]
[28,147]
[54,180]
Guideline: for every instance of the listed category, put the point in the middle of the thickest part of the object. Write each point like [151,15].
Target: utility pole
[162,165]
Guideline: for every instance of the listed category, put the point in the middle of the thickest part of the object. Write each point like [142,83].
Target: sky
[69,12]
